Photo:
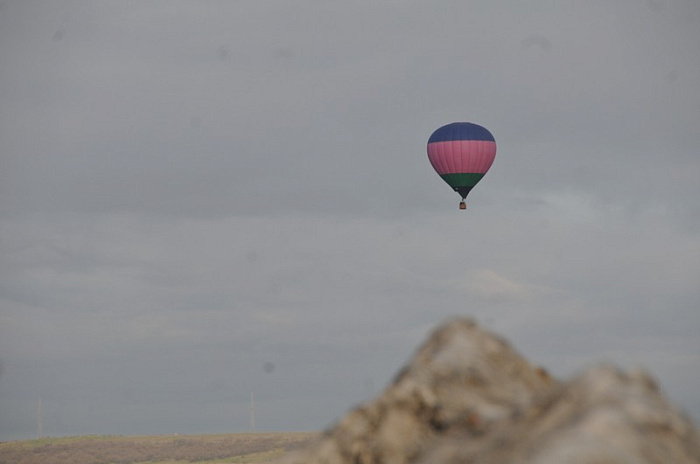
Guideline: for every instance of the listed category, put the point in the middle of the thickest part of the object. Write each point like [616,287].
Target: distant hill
[221,448]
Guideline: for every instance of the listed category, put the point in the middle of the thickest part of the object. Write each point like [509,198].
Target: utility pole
[39,425]
[252,412]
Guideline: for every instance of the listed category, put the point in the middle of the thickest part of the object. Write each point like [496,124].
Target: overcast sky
[204,200]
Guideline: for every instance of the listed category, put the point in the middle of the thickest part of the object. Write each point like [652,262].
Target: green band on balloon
[462,179]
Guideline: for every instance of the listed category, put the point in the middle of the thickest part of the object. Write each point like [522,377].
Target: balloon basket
[462,205]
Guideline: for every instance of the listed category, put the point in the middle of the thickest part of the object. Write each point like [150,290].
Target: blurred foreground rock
[468,397]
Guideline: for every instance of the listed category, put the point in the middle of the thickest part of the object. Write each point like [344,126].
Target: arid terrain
[168,449]
[466,396]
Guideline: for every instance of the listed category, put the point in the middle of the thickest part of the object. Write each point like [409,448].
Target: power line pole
[39,425]
[252,412]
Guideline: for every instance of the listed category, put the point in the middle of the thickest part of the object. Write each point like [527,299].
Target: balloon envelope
[461,153]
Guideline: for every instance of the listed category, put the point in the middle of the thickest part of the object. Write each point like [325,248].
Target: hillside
[170,449]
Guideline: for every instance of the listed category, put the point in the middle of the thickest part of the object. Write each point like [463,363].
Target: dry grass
[170,449]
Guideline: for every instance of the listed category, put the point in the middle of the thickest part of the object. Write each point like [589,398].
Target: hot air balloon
[461,153]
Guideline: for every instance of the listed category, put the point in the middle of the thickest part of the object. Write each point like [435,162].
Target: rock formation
[468,397]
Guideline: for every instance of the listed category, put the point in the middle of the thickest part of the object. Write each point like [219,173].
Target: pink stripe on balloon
[450,156]
[441,158]
[459,156]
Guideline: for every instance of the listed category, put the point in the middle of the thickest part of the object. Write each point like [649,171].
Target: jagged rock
[468,397]
[602,416]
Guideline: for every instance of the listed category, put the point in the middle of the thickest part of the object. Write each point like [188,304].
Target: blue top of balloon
[461,131]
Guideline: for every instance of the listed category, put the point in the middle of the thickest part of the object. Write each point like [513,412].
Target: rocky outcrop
[468,397]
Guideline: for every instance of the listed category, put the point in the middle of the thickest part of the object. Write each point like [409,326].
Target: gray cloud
[192,193]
